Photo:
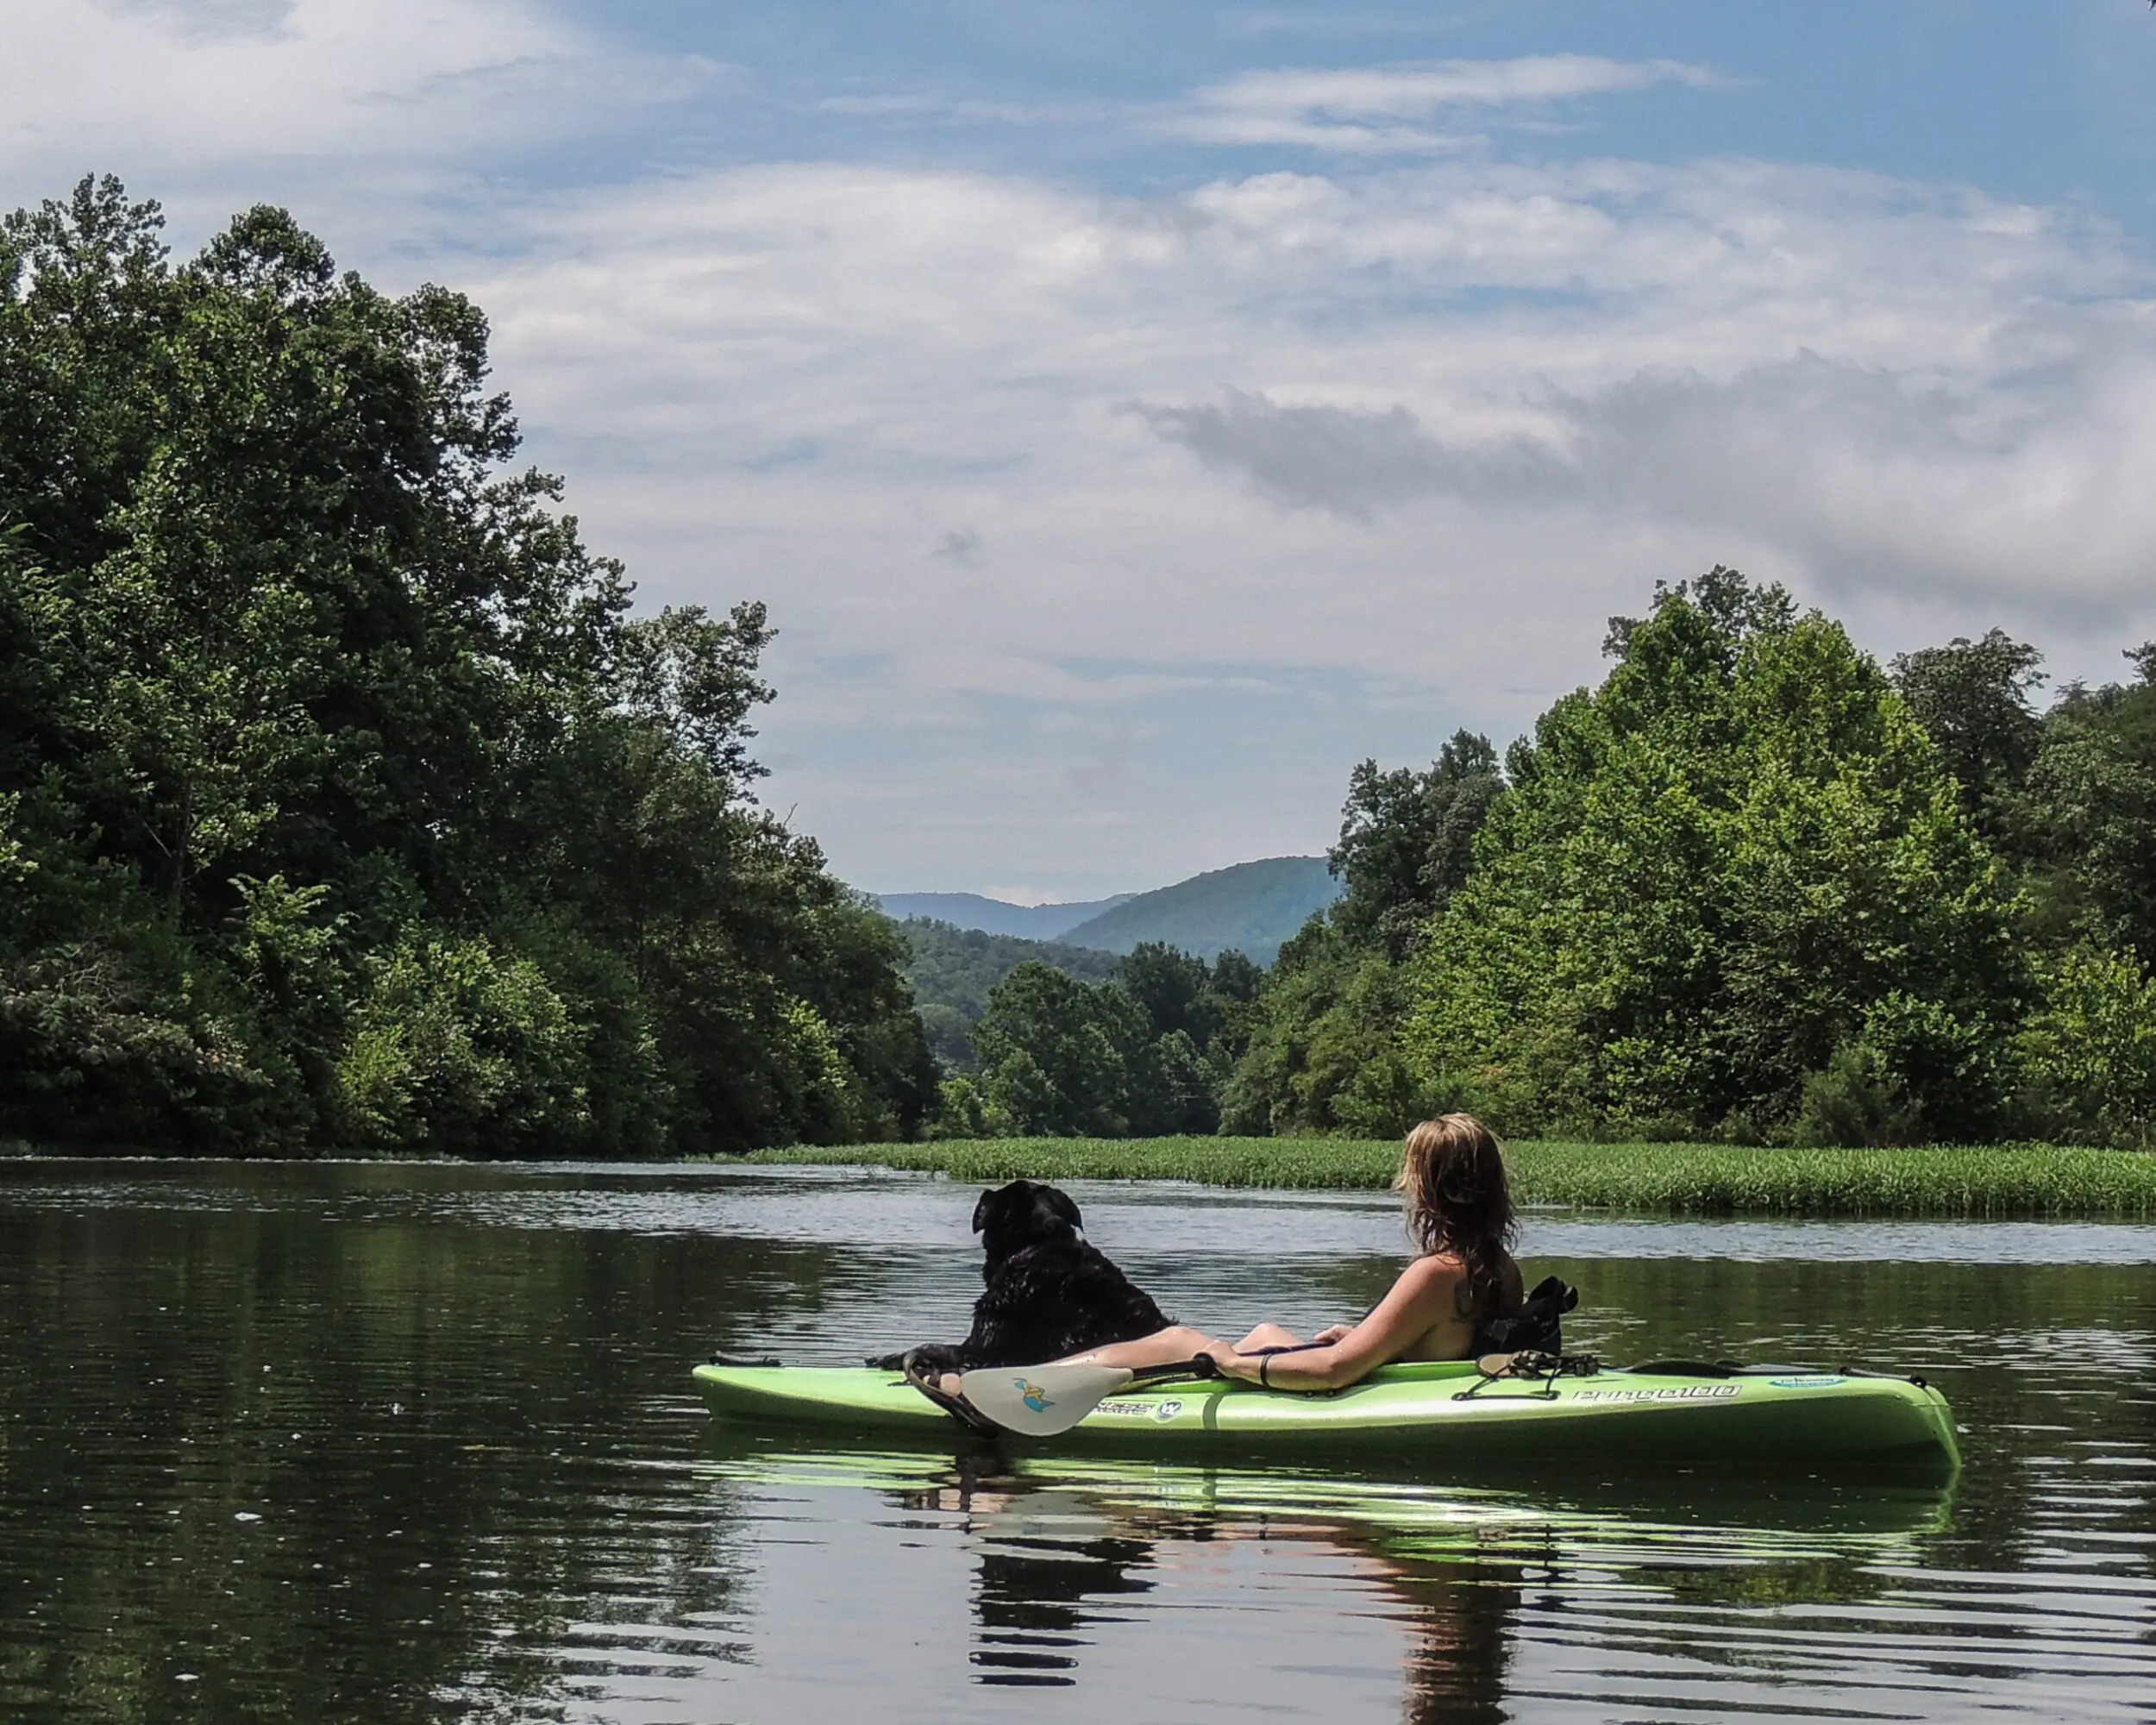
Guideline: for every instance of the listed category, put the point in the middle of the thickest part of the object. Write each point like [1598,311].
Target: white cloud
[210,18]
[1371,109]
[1105,532]
[1516,395]
[367,107]
[1867,477]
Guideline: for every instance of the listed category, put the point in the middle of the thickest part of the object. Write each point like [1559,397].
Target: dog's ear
[1058,1204]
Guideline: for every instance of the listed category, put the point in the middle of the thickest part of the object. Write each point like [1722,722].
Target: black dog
[1049,1294]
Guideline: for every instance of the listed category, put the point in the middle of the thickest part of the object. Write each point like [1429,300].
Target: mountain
[992,916]
[953,969]
[1250,908]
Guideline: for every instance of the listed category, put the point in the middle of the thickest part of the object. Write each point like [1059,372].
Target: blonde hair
[1459,1203]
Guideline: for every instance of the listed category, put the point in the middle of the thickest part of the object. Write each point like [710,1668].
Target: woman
[1459,1210]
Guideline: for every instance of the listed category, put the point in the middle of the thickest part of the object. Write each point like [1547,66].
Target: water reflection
[1066,1554]
[406,1445]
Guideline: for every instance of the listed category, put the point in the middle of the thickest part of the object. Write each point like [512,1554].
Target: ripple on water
[484,1490]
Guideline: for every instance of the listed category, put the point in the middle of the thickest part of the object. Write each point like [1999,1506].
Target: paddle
[1044,1401]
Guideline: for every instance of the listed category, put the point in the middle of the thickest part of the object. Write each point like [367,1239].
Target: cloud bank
[1106,528]
[1253,460]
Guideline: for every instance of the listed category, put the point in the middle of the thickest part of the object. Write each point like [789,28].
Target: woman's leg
[1162,1347]
[1268,1336]
[1169,1346]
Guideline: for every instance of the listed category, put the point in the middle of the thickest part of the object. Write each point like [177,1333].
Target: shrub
[457,1049]
[2090,1049]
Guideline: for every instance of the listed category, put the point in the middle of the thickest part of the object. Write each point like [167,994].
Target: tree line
[343,802]
[953,971]
[345,805]
[1755,886]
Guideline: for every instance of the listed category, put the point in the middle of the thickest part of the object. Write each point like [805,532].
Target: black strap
[1541,1369]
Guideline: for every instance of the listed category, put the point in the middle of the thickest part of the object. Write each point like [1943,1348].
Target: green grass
[1671,1179]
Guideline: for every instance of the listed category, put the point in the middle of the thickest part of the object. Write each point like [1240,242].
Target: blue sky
[1136,414]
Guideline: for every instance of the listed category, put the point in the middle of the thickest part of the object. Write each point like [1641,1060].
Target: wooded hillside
[343,802]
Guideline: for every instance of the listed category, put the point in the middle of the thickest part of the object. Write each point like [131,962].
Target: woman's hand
[1337,1332]
[1231,1363]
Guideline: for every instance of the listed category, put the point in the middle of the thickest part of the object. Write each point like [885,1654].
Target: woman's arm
[1420,1299]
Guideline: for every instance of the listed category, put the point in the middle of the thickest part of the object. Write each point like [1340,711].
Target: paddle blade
[1041,1400]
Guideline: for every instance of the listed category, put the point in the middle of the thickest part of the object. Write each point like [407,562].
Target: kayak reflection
[1055,1557]
[1461,1576]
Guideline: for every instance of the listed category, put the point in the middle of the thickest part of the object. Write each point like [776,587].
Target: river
[327,1442]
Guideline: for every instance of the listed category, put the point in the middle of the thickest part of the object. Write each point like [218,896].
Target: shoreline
[1976,1183]
[2026,1181]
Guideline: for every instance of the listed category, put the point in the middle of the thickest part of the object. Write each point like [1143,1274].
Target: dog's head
[1025,1212]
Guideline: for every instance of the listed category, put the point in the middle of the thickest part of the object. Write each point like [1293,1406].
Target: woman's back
[1449,1292]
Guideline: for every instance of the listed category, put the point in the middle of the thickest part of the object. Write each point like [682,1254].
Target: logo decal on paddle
[1032,1395]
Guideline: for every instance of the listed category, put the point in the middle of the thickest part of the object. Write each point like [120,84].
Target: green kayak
[1755,1420]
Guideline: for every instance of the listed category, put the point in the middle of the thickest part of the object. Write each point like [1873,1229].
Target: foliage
[1709,875]
[2086,821]
[345,804]
[1406,842]
[1145,1053]
[1751,888]
[1912,1074]
[457,1048]
[2091,1047]
[1324,1051]
[952,971]
[1972,698]
[1671,1179]
[344,801]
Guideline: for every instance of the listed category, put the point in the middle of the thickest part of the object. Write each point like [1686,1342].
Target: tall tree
[2087,822]
[1407,841]
[345,802]
[1737,855]
[1972,698]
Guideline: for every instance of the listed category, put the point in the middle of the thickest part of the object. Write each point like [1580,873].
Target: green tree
[457,1050]
[1142,1056]
[346,800]
[952,971]
[1708,876]
[1174,990]
[2091,1048]
[1323,1053]
[2086,820]
[1972,698]
[1407,841]
[1058,1056]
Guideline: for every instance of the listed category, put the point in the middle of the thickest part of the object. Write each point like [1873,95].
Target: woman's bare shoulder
[1433,1272]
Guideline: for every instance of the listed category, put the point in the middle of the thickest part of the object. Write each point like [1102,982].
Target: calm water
[416,1443]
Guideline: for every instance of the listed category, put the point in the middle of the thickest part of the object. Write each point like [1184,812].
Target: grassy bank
[1680,1179]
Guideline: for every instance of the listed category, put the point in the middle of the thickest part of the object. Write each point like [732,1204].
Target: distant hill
[953,969]
[1250,908]
[992,916]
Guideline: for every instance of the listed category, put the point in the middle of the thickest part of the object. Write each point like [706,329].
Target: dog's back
[1049,1292]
